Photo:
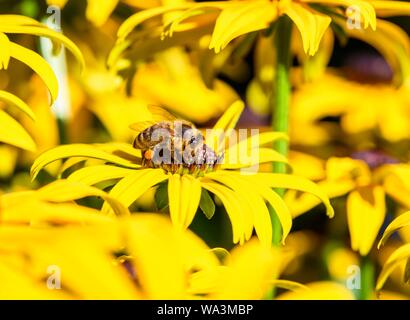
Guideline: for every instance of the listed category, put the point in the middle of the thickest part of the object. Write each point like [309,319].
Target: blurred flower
[99,11]
[172,80]
[338,262]
[227,20]
[360,107]
[101,261]
[237,278]
[320,92]
[243,195]
[53,205]
[400,257]
[11,132]
[324,290]
[235,18]
[128,268]
[366,179]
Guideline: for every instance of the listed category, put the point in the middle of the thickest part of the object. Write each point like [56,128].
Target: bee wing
[160,114]
[141,126]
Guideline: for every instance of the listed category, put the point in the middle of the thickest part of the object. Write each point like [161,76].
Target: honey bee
[173,144]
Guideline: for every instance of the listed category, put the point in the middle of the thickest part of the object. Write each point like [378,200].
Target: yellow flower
[243,195]
[53,205]
[237,278]
[99,256]
[11,132]
[399,258]
[318,93]
[141,257]
[365,180]
[360,107]
[232,19]
[129,252]
[171,80]
[338,261]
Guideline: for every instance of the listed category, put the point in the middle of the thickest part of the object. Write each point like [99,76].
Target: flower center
[183,160]
[374,158]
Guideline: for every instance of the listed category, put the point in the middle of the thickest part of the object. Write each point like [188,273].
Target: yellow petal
[234,206]
[397,258]
[401,221]
[239,19]
[13,133]
[33,212]
[136,19]
[397,184]
[248,152]
[59,3]
[366,210]
[98,12]
[17,102]
[325,290]
[39,66]
[391,8]
[223,126]
[95,174]
[280,207]
[131,187]
[64,190]
[287,181]
[233,158]
[165,264]
[307,166]
[43,31]
[5,52]
[392,42]
[176,23]
[340,169]
[259,212]
[184,193]
[267,194]
[76,150]
[230,117]
[261,139]
[9,160]
[289,285]
[17,20]
[20,286]
[364,8]
[249,273]
[311,24]
[299,204]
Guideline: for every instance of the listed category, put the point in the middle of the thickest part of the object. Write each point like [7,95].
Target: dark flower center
[374,158]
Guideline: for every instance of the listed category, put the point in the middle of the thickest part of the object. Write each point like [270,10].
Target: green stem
[280,104]
[367,274]
[62,130]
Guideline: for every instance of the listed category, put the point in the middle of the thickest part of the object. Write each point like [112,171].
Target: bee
[173,144]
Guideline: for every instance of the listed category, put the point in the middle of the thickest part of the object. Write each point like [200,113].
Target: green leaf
[206,204]
[161,196]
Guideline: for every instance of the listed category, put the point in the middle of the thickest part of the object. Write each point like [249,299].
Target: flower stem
[367,273]
[279,104]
